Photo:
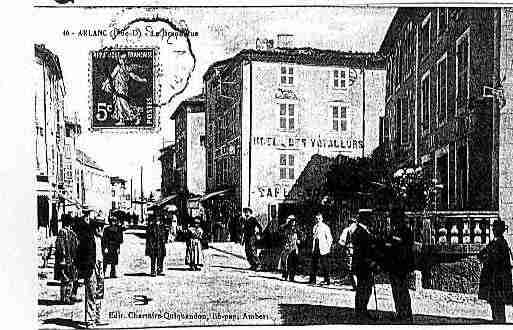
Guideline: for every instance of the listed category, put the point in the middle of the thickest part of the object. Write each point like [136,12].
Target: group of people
[158,233]
[84,250]
[366,253]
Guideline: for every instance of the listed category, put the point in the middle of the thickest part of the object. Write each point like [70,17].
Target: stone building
[448,102]
[94,185]
[268,111]
[189,119]
[49,130]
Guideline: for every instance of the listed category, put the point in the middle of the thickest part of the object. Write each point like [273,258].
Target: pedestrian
[363,263]
[111,243]
[90,262]
[495,280]
[237,226]
[289,256]
[65,269]
[156,238]
[399,258]
[251,234]
[321,247]
[194,251]
[346,241]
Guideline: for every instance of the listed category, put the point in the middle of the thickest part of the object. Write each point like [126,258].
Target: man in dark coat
[363,264]
[399,261]
[90,266]
[156,238]
[65,269]
[111,242]
[237,227]
[252,230]
[495,280]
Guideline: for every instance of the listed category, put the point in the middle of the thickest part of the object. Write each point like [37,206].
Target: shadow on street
[184,269]
[299,314]
[48,302]
[228,252]
[65,323]
[229,267]
[137,274]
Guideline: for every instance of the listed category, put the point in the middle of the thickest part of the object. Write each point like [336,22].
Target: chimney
[285,41]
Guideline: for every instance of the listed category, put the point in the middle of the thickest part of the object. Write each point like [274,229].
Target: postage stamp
[122,88]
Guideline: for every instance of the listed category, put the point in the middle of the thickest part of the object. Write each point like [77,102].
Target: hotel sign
[307,142]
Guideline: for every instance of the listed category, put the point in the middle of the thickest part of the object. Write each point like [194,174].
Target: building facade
[269,111]
[189,119]
[168,181]
[49,129]
[121,198]
[72,131]
[448,102]
[94,185]
[438,60]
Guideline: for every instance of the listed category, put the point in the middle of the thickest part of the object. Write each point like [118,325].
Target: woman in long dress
[194,252]
[495,281]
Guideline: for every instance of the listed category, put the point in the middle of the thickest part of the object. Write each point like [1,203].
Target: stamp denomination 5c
[122,88]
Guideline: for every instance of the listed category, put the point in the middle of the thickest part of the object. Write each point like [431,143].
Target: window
[398,126]
[340,78]
[425,37]
[404,120]
[425,102]
[442,20]
[441,89]
[287,75]
[462,70]
[287,117]
[286,167]
[339,118]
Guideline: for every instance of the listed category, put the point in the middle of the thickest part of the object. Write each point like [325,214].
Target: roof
[86,160]
[50,59]
[117,179]
[402,16]
[194,100]
[304,56]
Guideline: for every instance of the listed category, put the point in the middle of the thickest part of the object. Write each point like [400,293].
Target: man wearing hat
[65,260]
[111,242]
[90,265]
[252,229]
[156,238]
[363,264]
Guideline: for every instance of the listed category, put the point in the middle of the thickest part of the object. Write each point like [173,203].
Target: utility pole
[363,112]
[142,197]
[131,195]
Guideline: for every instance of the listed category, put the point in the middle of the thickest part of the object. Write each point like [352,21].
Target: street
[226,293]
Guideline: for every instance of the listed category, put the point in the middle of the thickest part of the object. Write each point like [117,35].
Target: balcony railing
[449,232]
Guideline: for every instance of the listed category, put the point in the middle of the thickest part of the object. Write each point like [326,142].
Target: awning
[70,201]
[220,193]
[163,202]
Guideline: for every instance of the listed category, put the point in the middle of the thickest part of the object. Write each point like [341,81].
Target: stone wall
[460,276]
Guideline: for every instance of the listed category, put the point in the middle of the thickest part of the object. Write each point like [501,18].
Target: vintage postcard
[271,165]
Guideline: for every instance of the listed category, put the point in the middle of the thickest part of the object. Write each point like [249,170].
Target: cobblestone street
[226,293]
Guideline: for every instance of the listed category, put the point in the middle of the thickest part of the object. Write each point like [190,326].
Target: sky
[222,32]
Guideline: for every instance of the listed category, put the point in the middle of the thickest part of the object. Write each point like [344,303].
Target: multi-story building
[49,137]
[269,111]
[168,181]
[448,92]
[120,196]
[93,185]
[189,119]
[72,131]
